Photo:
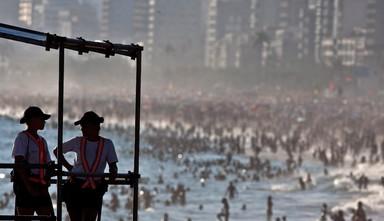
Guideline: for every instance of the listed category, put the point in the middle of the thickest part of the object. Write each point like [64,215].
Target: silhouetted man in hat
[84,195]
[31,184]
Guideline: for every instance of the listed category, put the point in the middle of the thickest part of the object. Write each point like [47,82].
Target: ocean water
[336,189]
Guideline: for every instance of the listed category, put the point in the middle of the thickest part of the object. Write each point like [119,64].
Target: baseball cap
[32,112]
[90,117]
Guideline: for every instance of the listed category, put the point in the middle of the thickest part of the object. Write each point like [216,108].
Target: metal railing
[52,41]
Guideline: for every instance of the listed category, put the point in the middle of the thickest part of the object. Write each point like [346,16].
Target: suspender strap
[42,158]
[90,182]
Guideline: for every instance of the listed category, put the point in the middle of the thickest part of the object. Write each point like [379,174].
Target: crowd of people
[358,214]
[337,132]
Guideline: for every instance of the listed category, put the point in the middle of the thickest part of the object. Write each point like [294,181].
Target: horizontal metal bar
[119,175]
[109,182]
[9,217]
[21,29]
[128,175]
[13,165]
[52,41]
[100,47]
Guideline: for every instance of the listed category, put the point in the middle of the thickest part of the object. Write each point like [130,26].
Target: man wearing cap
[31,184]
[84,195]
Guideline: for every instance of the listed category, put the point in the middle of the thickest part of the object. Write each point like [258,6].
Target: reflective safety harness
[42,158]
[90,182]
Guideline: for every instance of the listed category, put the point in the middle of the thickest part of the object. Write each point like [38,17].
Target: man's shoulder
[22,135]
[76,138]
[108,141]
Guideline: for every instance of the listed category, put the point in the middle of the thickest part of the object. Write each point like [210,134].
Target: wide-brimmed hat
[90,117]
[32,112]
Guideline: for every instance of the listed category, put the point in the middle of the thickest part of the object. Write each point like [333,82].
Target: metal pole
[137,136]
[60,130]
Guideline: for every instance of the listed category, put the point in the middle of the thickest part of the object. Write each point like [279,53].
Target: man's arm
[112,170]
[112,160]
[66,164]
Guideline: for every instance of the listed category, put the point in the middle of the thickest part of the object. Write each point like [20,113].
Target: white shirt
[108,154]
[26,147]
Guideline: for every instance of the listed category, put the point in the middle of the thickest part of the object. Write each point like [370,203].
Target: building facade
[229,26]
[116,20]
[375,32]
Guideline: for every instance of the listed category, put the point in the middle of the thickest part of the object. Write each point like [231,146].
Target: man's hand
[112,171]
[112,176]
[69,167]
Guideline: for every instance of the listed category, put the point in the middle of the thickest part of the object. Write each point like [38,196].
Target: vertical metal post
[60,130]
[137,136]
